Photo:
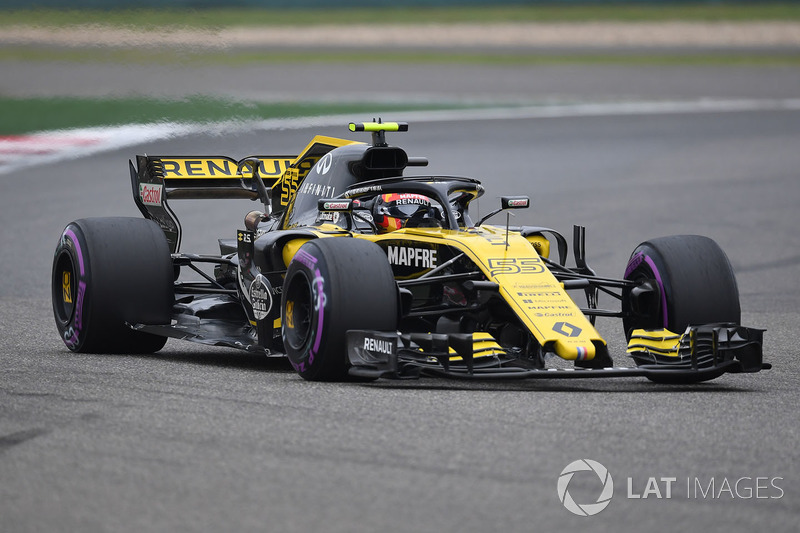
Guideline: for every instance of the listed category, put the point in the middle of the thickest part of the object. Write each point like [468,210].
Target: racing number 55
[514,265]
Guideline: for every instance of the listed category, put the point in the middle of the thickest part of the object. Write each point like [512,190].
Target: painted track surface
[197,439]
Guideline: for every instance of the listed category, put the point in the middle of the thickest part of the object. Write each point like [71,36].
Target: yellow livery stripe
[659,342]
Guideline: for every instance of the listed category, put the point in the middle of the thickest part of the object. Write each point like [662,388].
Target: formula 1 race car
[353,270]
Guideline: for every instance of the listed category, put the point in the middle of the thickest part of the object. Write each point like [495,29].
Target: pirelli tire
[694,280]
[333,285]
[107,273]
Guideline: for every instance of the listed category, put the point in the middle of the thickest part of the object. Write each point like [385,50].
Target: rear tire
[334,285]
[108,272]
[696,285]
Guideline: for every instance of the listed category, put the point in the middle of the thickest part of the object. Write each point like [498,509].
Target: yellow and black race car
[354,270]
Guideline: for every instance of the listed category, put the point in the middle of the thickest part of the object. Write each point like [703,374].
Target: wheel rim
[64,287]
[655,320]
[298,310]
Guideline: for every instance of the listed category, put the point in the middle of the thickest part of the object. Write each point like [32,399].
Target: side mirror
[508,202]
[337,205]
[514,202]
[328,207]
[254,164]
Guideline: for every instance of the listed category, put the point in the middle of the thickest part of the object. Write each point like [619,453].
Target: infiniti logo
[586,509]
[324,164]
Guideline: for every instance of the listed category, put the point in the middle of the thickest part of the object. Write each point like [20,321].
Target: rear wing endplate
[158,179]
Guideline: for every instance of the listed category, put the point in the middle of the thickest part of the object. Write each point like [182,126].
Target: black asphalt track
[203,439]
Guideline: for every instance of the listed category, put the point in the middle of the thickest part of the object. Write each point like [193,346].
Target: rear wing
[157,179]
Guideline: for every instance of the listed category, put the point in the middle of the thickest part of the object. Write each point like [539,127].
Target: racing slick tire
[107,273]
[334,285]
[695,285]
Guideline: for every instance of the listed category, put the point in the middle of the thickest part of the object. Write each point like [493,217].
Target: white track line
[26,151]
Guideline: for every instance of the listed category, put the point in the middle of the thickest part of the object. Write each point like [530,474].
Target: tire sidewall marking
[320,300]
[642,259]
[312,272]
[73,327]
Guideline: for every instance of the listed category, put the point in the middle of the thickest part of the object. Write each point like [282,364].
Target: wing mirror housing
[508,202]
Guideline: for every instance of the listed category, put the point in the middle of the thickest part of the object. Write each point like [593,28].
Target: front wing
[707,353]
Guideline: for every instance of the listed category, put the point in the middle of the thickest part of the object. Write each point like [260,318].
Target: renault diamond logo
[567,329]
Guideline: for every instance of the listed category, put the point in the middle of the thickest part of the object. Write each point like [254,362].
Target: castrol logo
[150,194]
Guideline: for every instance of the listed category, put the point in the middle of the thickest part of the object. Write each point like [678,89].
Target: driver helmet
[393,211]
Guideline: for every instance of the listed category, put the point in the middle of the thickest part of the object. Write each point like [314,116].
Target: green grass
[216,18]
[25,115]
[187,57]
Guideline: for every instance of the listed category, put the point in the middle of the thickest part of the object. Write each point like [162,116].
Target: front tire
[694,281]
[334,285]
[107,273]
